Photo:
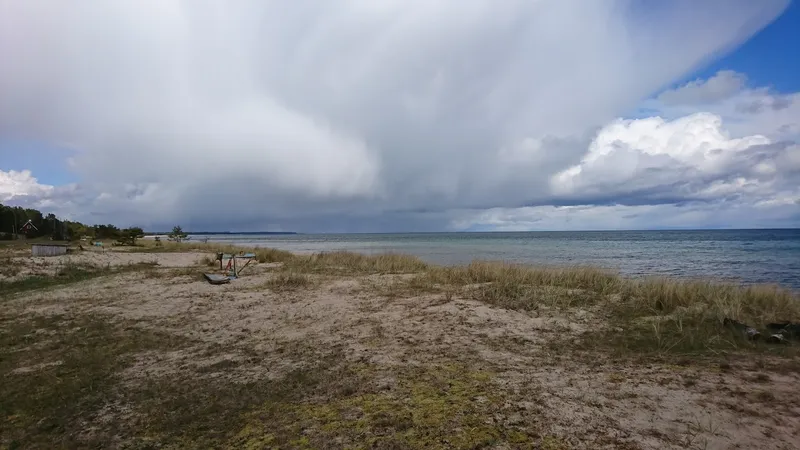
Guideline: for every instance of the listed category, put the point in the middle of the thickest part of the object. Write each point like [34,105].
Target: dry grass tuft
[656,315]
[756,305]
[520,287]
[9,267]
[263,255]
[677,316]
[66,273]
[349,263]
[288,281]
[209,261]
[590,278]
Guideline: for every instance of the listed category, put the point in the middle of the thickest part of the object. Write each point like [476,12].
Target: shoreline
[733,256]
[149,246]
[199,246]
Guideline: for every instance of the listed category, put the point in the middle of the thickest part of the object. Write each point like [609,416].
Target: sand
[583,401]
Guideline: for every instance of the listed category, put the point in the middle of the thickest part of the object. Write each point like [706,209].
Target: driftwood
[216,279]
[779,332]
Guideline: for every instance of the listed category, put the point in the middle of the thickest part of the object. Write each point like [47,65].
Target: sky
[403,115]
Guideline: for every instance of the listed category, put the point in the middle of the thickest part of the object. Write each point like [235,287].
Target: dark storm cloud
[303,113]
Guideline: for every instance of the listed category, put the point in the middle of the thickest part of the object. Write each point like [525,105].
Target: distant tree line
[14,218]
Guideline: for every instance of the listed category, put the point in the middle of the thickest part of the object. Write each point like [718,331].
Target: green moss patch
[444,406]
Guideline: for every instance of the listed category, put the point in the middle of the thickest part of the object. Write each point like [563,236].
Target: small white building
[47,249]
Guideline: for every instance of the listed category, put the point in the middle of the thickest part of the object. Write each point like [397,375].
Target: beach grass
[67,273]
[656,315]
[263,254]
[288,281]
[646,315]
[350,263]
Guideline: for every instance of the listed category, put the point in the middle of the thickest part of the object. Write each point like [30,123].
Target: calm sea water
[748,256]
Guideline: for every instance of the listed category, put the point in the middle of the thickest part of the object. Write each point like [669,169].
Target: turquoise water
[748,256]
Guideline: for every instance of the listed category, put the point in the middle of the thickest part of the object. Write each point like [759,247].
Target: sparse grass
[554,443]
[209,261]
[62,373]
[513,275]
[756,305]
[676,316]
[67,273]
[58,374]
[263,255]
[349,263]
[655,315]
[288,281]
[63,383]
[8,267]
[64,387]
[436,407]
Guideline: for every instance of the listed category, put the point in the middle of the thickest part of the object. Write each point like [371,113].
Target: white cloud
[746,110]
[772,213]
[699,92]
[684,158]
[255,113]
[16,185]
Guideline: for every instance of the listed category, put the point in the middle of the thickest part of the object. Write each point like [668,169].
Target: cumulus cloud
[688,158]
[652,172]
[21,188]
[293,112]
[21,184]
[746,110]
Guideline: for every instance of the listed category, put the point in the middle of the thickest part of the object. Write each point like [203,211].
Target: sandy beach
[134,349]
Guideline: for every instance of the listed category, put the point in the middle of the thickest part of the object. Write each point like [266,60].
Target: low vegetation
[65,274]
[656,315]
[669,316]
[263,255]
[73,391]
[349,263]
[642,315]
[288,281]
[75,378]
[442,406]
[60,372]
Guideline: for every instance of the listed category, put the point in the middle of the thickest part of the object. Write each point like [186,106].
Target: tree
[131,234]
[106,232]
[12,218]
[177,234]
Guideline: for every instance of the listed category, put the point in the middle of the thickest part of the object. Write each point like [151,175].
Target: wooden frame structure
[231,267]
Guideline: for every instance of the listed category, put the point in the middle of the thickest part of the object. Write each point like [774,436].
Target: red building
[28,227]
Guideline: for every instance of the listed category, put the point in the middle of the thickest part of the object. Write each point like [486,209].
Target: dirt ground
[424,370]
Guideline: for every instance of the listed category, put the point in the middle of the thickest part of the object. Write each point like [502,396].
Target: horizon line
[475,231]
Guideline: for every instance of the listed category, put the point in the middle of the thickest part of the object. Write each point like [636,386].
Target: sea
[743,256]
